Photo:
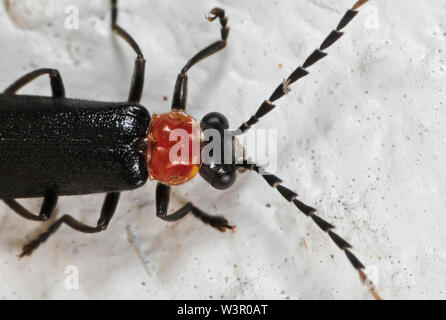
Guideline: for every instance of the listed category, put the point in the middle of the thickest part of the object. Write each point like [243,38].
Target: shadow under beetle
[55,146]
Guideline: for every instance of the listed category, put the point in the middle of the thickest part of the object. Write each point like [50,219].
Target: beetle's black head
[218,157]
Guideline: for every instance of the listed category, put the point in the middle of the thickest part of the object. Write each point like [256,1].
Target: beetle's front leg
[162,203]
[108,209]
[180,92]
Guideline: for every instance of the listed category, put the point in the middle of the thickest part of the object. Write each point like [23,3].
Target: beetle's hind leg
[56,82]
[137,84]
[162,203]
[46,210]
[108,209]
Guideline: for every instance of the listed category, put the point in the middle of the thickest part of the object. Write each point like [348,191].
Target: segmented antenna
[301,71]
[291,196]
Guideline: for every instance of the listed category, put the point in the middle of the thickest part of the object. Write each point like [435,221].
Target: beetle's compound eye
[220,176]
[174,147]
[224,180]
[214,120]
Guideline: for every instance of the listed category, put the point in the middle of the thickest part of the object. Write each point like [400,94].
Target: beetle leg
[46,210]
[57,86]
[137,84]
[108,209]
[162,203]
[180,91]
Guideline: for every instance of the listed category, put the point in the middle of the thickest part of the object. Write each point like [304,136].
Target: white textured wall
[361,138]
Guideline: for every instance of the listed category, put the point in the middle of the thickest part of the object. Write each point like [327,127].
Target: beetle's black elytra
[70,146]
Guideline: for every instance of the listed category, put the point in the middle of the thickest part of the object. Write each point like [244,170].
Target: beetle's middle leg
[137,84]
[56,82]
[108,209]
[180,91]
[162,203]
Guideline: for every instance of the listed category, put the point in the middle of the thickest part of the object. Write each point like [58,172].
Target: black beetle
[55,146]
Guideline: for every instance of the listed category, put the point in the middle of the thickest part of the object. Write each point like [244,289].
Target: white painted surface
[361,138]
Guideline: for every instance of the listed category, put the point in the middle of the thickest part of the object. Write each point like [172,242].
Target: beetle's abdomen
[71,146]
